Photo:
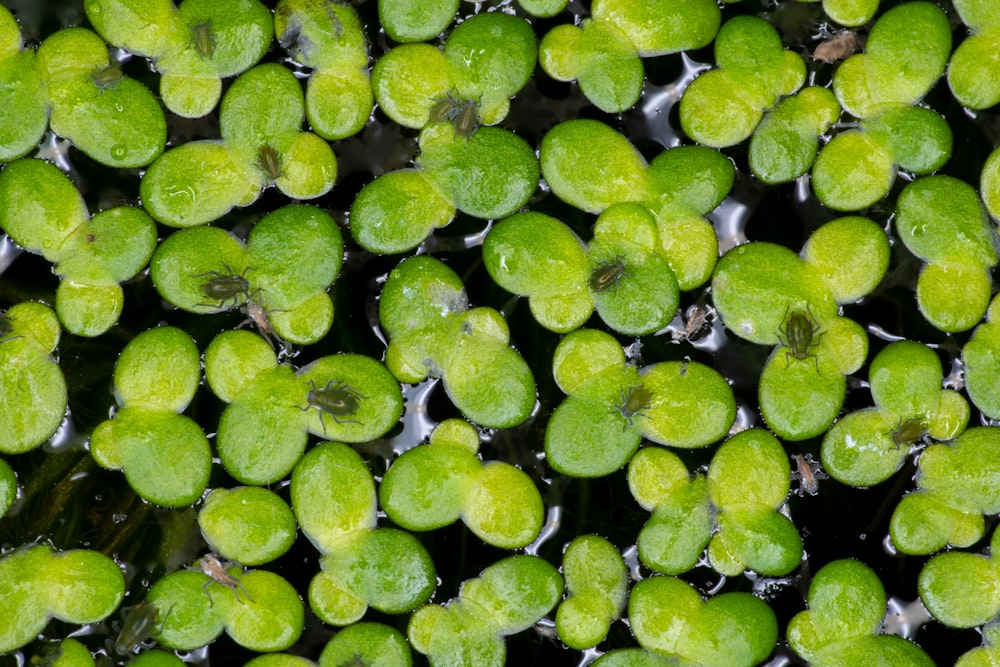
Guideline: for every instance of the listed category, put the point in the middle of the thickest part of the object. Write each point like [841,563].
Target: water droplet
[119,151]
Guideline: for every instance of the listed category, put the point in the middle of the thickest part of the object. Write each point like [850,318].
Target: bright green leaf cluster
[330,38]
[507,597]
[957,483]
[973,73]
[590,166]
[165,455]
[272,408]
[604,51]
[722,107]
[432,485]
[620,272]
[941,220]
[279,278]
[612,405]
[38,584]
[193,46]
[262,143]
[768,295]
[42,211]
[433,333]
[257,608]
[32,387]
[856,168]
[669,618]
[485,61]
[867,446]
[841,627]
[333,495]
[597,586]
[732,509]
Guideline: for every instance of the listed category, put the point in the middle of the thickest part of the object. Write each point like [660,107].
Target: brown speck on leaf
[837,47]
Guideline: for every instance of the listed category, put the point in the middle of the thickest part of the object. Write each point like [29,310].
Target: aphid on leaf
[633,402]
[909,431]
[6,328]
[211,565]
[203,40]
[808,473]
[697,318]
[269,162]
[337,399]
[462,114]
[837,47]
[138,626]
[466,120]
[107,77]
[606,275]
[225,288]
[256,315]
[800,334]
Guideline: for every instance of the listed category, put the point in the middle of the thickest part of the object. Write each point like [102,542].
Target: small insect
[800,334]
[466,120]
[337,399]
[211,565]
[226,288]
[6,328]
[697,318]
[138,626]
[462,114]
[808,473]
[606,275]
[269,162]
[837,47]
[634,401]
[907,432]
[107,77]
[203,40]
[253,308]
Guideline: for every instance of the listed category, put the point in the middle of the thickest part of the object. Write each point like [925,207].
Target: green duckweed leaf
[374,644]
[198,182]
[972,70]
[386,569]
[247,524]
[941,220]
[193,46]
[333,495]
[77,586]
[343,377]
[165,455]
[260,611]
[851,235]
[489,174]
[112,118]
[846,607]
[409,21]
[592,184]
[331,39]
[982,362]
[597,584]
[722,107]
[397,211]
[785,143]
[668,615]
[680,388]
[658,29]
[33,394]
[25,113]
[916,33]
[961,590]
